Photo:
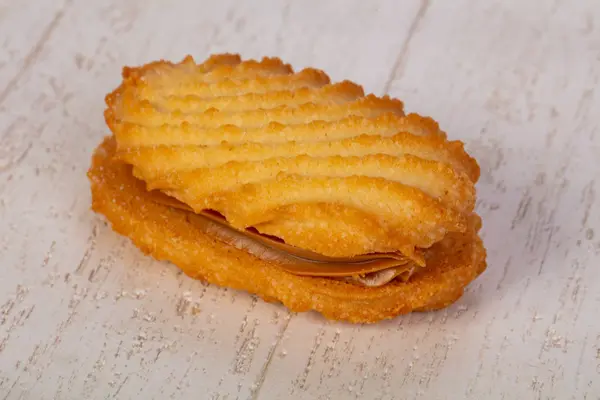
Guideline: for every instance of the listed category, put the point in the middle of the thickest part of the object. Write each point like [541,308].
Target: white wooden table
[84,315]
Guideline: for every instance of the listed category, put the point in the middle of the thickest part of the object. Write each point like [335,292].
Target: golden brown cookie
[310,192]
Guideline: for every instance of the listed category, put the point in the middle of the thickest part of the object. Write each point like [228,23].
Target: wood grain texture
[34,21]
[84,315]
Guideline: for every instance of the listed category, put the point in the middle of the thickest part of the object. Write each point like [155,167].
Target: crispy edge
[145,114]
[166,234]
[213,69]
[339,92]
[212,62]
[131,136]
[435,179]
[156,160]
[132,85]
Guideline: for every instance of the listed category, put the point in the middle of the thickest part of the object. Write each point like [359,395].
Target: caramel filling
[370,270]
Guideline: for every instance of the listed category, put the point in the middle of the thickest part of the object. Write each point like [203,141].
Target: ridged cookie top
[320,165]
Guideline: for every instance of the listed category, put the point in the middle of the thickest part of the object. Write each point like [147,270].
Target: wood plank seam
[401,59]
[263,371]
[32,56]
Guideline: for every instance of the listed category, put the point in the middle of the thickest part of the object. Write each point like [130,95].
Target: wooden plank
[515,80]
[83,313]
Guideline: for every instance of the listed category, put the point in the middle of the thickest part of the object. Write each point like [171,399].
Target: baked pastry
[249,175]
